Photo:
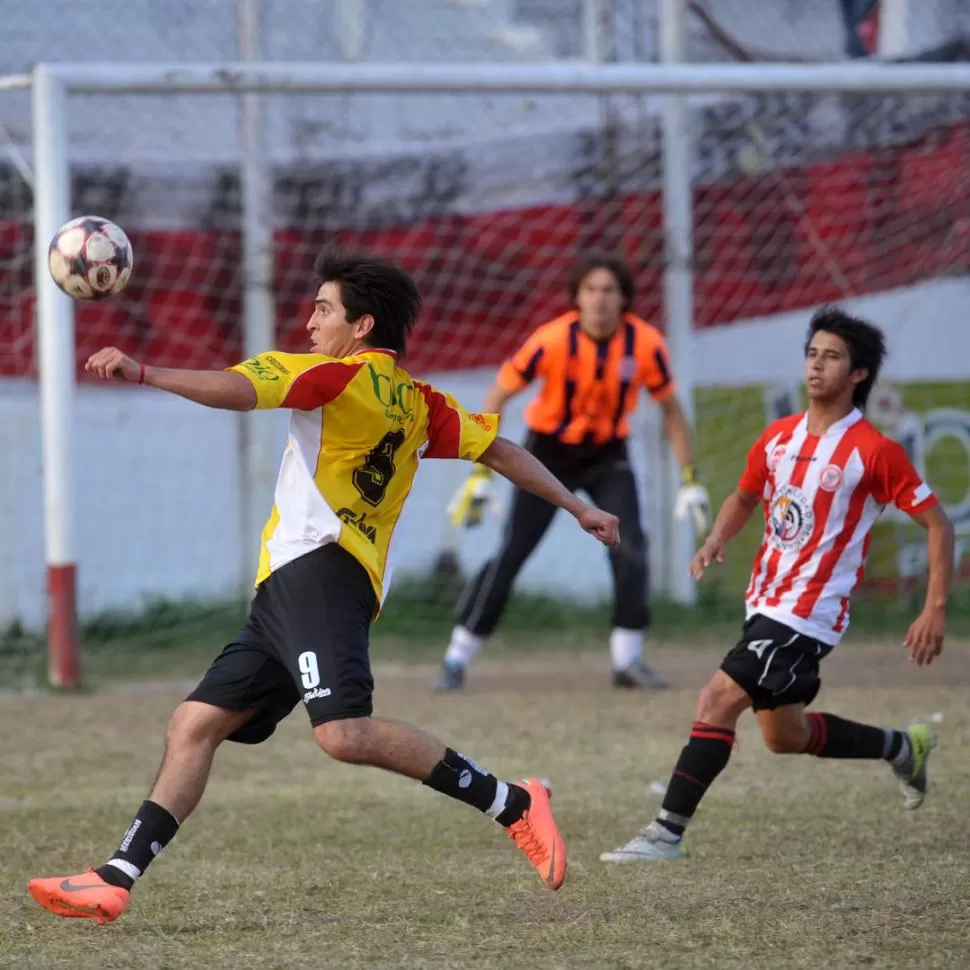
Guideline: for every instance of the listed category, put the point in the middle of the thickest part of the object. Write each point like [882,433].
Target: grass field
[295,862]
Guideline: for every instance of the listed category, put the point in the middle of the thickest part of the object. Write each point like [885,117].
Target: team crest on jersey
[792,519]
[831,478]
[628,368]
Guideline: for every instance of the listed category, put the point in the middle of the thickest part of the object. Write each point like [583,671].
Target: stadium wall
[159,507]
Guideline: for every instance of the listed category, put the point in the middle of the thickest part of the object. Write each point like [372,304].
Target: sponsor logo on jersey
[359,522]
[777,453]
[792,519]
[274,363]
[396,395]
[481,421]
[260,370]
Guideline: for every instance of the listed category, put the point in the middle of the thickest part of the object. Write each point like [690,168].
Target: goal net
[799,199]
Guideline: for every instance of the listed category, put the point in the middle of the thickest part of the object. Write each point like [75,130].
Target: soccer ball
[90,258]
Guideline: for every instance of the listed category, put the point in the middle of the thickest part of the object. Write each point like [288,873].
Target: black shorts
[774,665]
[307,638]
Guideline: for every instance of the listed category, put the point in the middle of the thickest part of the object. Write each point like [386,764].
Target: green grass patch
[294,862]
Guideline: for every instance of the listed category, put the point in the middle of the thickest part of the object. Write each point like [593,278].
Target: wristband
[688,474]
[141,373]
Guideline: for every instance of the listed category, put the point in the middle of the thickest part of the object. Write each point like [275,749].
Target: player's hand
[692,498]
[711,551]
[601,524]
[473,499]
[111,364]
[924,641]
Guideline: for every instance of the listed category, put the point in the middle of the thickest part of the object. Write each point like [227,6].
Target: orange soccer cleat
[86,895]
[537,835]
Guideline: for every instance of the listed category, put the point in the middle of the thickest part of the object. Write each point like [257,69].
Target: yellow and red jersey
[589,387]
[359,427]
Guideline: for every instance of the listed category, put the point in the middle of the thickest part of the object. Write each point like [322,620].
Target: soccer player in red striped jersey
[822,478]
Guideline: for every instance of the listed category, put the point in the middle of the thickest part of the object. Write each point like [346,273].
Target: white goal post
[53,85]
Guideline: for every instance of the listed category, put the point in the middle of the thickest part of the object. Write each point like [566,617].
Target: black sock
[702,759]
[458,777]
[150,831]
[835,737]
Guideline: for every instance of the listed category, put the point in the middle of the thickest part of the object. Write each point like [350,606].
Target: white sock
[626,647]
[905,750]
[132,872]
[500,802]
[463,647]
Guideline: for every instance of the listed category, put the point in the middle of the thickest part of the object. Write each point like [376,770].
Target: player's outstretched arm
[731,519]
[526,471]
[924,641]
[213,388]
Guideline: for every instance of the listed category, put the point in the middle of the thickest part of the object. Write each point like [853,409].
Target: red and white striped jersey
[822,495]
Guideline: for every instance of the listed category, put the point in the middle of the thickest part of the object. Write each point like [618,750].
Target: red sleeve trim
[320,385]
[444,425]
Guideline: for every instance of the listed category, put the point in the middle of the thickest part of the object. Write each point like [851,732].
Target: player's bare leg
[521,807]
[194,733]
[785,730]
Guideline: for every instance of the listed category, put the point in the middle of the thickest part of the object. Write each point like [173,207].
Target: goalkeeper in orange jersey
[592,363]
[359,427]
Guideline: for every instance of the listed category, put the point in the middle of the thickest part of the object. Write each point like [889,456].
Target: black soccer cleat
[451,678]
[639,675]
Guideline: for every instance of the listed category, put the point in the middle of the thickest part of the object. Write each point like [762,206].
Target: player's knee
[782,741]
[194,723]
[345,740]
[710,704]
[721,701]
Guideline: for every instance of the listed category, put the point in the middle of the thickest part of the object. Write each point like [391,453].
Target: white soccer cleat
[653,842]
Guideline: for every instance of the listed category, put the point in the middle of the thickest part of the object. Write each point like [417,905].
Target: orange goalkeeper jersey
[588,387]
[359,427]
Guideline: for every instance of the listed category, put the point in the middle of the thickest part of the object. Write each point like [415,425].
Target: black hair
[598,259]
[370,285]
[866,343]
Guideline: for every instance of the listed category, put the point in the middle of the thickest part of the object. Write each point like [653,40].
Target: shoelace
[526,839]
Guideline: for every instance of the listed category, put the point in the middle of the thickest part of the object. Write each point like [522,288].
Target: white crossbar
[231,78]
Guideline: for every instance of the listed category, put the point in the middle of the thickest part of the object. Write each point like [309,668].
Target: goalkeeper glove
[473,499]
[692,497]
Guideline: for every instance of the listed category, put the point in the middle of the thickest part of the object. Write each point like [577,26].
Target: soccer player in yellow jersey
[360,425]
